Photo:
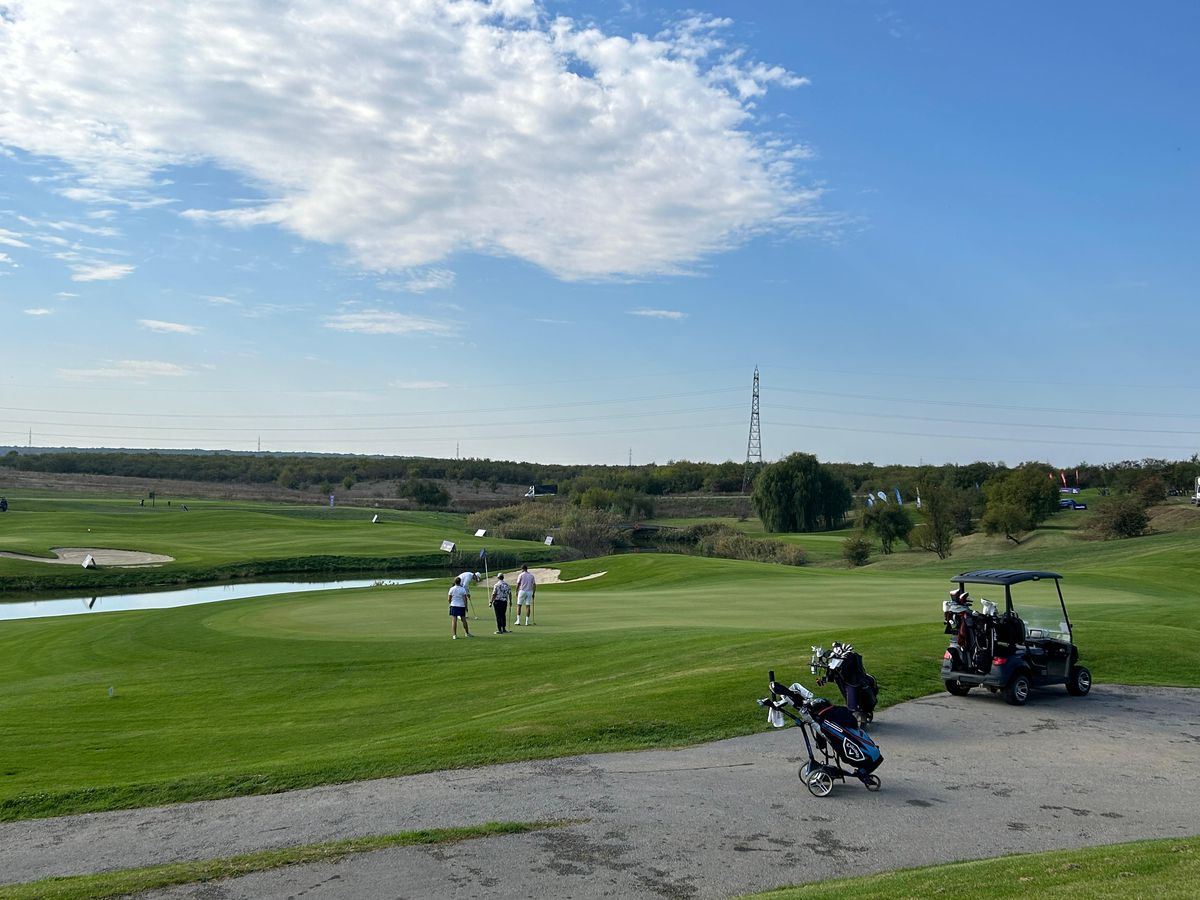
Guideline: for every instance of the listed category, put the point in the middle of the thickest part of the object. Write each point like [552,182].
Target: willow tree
[799,494]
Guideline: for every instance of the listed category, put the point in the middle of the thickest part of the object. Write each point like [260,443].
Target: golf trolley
[844,667]
[1028,645]
[832,730]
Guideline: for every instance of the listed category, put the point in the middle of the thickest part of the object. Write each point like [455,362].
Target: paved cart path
[962,778]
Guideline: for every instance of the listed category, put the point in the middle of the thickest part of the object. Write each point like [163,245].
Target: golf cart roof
[1002,576]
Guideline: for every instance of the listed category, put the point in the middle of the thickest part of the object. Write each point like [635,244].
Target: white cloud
[422,280]
[168,327]
[7,260]
[11,238]
[65,294]
[99,271]
[40,311]
[379,321]
[129,369]
[99,230]
[410,130]
[420,385]
[221,301]
[673,314]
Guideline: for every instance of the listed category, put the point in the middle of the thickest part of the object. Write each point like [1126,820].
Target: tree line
[841,481]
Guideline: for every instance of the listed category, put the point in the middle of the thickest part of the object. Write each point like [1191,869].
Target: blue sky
[568,232]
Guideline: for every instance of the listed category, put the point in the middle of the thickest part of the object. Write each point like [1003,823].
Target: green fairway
[266,694]
[214,539]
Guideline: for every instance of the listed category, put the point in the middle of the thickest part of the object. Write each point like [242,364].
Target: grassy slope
[1165,870]
[215,535]
[266,694]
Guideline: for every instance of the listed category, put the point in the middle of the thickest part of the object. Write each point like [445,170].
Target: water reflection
[74,606]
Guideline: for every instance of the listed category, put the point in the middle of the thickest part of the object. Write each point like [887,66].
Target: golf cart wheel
[805,771]
[957,688]
[873,783]
[1079,681]
[1017,691]
[820,783]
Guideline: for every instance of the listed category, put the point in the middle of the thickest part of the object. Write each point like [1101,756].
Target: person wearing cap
[500,595]
[526,587]
[466,579]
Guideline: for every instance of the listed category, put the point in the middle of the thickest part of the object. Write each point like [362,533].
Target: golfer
[500,595]
[468,579]
[526,587]
[459,598]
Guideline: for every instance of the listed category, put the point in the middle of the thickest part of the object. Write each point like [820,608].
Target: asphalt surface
[963,778]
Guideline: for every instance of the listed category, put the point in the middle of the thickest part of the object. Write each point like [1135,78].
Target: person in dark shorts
[458,597]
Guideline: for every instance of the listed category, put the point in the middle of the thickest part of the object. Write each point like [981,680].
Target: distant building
[541,490]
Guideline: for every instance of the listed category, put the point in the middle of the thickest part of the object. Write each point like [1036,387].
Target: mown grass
[218,539]
[123,882]
[274,693]
[1164,870]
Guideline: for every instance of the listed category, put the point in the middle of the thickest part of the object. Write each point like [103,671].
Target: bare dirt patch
[74,556]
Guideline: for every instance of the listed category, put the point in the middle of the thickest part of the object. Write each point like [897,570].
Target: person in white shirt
[468,579]
[459,597]
[526,587]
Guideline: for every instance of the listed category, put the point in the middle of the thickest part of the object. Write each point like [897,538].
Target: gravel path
[962,778]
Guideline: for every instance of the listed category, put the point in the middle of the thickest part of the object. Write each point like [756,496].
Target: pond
[216,593]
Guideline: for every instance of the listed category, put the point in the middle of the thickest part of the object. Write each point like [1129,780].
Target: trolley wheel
[872,782]
[805,771]
[820,783]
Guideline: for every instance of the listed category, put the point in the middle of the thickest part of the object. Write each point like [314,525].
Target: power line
[438,412]
[974,405]
[345,429]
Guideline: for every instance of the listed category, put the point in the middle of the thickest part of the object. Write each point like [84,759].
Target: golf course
[120,710]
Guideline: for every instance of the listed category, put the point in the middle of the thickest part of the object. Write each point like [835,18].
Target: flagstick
[486,576]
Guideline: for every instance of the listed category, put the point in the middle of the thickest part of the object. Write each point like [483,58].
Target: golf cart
[1027,645]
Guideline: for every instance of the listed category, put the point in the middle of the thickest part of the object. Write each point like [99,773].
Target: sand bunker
[73,556]
[553,576]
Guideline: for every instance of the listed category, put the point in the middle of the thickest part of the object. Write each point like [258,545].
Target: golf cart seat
[1010,630]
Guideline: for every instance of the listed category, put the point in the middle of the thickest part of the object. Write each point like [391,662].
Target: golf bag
[844,667]
[974,639]
[834,734]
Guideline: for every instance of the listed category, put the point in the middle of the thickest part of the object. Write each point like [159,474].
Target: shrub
[729,543]
[592,532]
[856,550]
[1121,517]
[426,493]
[530,521]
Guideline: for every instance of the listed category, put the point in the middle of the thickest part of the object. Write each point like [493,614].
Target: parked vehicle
[1028,645]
